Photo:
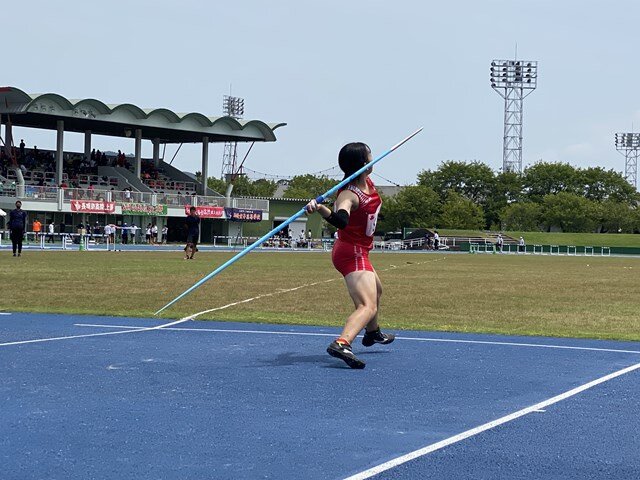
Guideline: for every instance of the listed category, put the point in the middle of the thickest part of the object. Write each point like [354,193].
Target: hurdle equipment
[588,251]
[284,224]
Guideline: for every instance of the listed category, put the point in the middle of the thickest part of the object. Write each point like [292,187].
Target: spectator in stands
[17,226]
[1,187]
[192,224]
[51,232]
[22,152]
[90,191]
[37,228]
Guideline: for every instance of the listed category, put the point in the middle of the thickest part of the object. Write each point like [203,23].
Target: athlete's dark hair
[352,157]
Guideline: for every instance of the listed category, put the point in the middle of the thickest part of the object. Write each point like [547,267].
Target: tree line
[464,195]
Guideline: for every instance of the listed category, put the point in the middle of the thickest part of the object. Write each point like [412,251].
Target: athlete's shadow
[293,358]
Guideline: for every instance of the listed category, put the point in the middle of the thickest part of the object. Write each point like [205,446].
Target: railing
[50,194]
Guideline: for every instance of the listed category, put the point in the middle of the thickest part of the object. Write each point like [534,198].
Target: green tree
[599,184]
[523,216]
[508,189]
[413,206]
[460,212]
[308,186]
[570,212]
[244,186]
[215,184]
[473,180]
[617,217]
[545,178]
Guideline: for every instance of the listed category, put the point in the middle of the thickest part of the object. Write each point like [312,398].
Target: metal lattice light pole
[232,107]
[513,80]
[628,144]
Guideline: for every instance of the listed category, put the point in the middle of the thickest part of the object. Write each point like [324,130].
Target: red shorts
[348,258]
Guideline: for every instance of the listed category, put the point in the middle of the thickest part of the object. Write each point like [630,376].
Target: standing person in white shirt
[154,234]
[51,230]
[500,242]
[165,231]
[521,245]
[436,240]
[132,233]
[107,232]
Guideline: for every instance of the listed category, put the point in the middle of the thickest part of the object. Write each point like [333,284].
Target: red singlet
[351,250]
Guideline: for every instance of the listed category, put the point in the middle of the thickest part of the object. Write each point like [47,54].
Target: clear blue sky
[339,71]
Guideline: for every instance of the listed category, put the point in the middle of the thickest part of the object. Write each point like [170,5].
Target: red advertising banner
[206,212]
[92,206]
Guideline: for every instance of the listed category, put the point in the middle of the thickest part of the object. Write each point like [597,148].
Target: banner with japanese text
[206,212]
[143,209]
[92,206]
[243,214]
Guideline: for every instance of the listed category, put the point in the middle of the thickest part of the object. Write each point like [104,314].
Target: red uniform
[351,250]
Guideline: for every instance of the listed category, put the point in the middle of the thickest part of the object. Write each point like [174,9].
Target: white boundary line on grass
[191,317]
[487,426]
[417,339]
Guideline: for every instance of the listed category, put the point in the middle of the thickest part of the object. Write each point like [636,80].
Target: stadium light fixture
[628,144]
[513,80]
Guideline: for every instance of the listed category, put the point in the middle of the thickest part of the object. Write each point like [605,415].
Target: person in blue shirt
[17,226]
[192,224]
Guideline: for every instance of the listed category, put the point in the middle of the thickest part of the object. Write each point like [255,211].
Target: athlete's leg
[363,291]
[372,326]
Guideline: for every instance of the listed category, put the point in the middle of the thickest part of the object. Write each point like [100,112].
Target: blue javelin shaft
[280,227]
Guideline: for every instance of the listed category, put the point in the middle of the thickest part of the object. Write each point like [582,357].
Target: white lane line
[487,426]
[53,339]
[417,339]
[5,313]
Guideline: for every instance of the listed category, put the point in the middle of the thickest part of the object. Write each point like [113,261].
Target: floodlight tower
[513,80]
[232,107]
[628,144]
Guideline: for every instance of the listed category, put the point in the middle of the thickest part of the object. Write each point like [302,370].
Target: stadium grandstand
[96,187]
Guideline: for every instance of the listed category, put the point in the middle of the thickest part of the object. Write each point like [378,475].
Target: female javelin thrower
[355,215]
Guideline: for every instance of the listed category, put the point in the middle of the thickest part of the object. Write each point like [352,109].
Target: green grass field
[594,297]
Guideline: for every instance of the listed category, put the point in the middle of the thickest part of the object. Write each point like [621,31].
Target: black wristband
[338,219]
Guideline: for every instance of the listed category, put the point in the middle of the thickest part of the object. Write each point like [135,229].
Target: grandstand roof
[121,120]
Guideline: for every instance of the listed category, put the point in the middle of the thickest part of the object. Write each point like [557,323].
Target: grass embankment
[558,238]
[523,295]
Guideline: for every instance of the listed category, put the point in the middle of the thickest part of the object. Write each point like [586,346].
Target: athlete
[355,214]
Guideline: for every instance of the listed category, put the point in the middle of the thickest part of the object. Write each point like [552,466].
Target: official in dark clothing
[192,224]
[17,226]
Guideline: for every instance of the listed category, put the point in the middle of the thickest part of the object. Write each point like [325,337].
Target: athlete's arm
[344,204]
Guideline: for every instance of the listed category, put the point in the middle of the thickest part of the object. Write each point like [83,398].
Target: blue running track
[209,400]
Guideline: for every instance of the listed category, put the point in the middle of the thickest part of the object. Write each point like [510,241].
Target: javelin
[298,214]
